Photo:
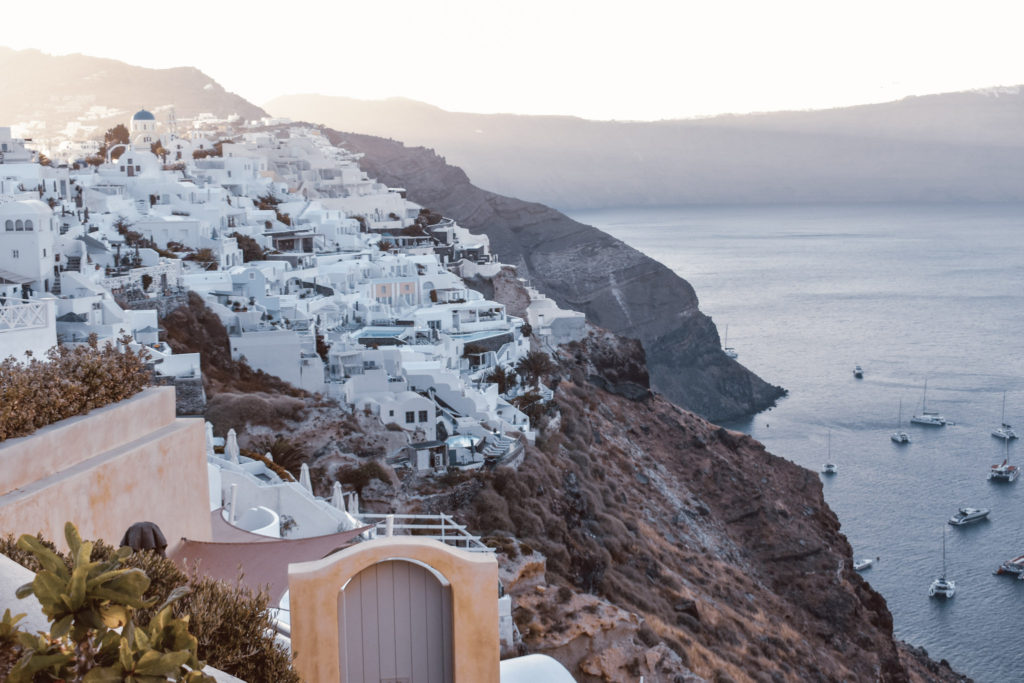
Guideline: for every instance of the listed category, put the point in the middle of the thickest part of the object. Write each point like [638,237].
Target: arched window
[28,224]
[18,225]
[9,225]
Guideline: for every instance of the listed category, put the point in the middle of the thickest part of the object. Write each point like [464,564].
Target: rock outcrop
[580,267]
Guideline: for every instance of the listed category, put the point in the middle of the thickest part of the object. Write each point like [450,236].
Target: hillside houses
[344,287]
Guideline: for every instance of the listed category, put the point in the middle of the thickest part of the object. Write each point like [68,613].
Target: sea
[916,295]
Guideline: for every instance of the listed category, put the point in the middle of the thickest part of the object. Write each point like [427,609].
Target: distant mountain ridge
[60,89]
[966,146]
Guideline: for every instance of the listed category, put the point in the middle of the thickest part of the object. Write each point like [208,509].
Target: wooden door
[395,625]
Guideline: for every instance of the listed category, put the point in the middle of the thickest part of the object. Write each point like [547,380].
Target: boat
[1004,431]
[726,349]
[829,467]
[1005,471]
[928,417]
[968,515]
[942,587]
[858,372]
[1014,566]
[863,563]
[900,436]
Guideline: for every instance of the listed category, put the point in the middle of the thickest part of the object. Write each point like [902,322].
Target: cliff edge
[580,267]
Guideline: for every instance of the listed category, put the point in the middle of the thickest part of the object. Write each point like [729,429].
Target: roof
[262,562]
[143,115]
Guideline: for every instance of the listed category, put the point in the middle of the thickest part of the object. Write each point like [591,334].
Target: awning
[9,278]
[261,561]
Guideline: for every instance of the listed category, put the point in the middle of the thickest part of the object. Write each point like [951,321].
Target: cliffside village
[322,276]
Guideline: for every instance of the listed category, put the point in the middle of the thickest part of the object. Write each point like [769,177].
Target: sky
[633,60]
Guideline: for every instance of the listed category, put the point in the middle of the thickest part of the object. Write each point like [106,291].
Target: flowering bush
[71,381]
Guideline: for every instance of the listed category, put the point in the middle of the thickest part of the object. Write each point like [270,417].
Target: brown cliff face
[582,268]
[677,549]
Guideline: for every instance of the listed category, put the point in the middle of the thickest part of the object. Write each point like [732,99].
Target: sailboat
[829,467]
[900,436]
[1006,471]
[928,417]
[942,587]
[728,350]
[1005,431]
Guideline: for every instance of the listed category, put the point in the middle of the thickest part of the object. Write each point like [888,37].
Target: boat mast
[924,397]
[943,553]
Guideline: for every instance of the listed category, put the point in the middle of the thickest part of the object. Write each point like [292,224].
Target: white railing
[170,268]
[440,527]
[22,316]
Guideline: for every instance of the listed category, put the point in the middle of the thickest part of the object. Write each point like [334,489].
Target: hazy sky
[625,60]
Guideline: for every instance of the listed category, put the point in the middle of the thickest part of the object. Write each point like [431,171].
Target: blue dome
[143,115]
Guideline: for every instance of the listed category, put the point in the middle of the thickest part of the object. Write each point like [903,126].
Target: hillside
[582,268]
[56,90]
[950,147]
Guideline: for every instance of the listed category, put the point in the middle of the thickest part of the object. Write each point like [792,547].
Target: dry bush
[359,477]
[233,411]
[72,381]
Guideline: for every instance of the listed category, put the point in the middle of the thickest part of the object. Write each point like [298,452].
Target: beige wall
[129,462]
[313,592]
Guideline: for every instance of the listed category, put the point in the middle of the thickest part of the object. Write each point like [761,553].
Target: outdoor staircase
[498,446]
[73,263]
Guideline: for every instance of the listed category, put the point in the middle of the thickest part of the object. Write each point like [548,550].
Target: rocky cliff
[580,267]
[638,539]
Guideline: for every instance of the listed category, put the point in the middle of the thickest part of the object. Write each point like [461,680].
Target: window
[28,225]
[19,225]
[14,253]
[44,253]
[252,275]
[138,168]
[423,416]
[9,225]
[391,413]
[410,417]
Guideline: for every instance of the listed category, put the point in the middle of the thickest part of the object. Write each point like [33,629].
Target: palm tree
[505,379]
[534,365]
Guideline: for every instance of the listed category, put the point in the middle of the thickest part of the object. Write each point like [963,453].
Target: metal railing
[22,316]
[440,527]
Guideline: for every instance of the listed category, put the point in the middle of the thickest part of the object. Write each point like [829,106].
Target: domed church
[142,129]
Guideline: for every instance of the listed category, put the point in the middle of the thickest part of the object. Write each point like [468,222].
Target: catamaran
[1004,431]
[829,467]
[726,349]
[942,587]
[928,417]
[900,436]
[1006,471]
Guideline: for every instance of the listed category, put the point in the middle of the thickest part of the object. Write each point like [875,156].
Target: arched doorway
[395,625]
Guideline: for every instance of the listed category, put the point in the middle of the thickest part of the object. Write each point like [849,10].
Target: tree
[251,249]
[534,365]
[505,379]
[44,160]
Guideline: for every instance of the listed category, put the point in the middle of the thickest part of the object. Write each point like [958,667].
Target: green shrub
[87,603]
[72,381]
[230,622]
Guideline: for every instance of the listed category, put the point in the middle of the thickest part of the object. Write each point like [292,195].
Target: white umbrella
[268,456]
[338,498]
[304,479]
[231,446]
[209,439]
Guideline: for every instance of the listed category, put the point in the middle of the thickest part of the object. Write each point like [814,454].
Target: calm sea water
[910,293]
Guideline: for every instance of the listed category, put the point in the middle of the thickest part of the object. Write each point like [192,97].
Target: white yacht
[1004,431]
[864,563]
[942,587]
[928,417]
[968,515]
[900,436]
